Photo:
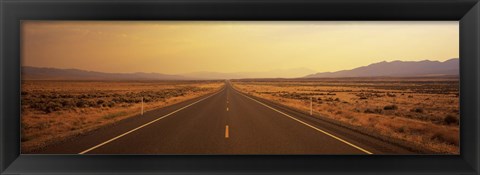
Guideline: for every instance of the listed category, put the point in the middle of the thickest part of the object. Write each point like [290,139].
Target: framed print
[240,87]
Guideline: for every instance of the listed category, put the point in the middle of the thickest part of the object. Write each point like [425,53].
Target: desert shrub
[114,115]
[66,96]
[130,100]
[92,103]
[147,99]
[450,119]
[67,103]
[378,110]
[51,106]
[391,95]
[123,100]
[53,96]
[373,111]
[99,102]
[111,104]
[417,110]
[445,137]
[390,107]
[379,95]
[136,100]
[81,103]
[118,99]
[369,111]
[401,129]
[410,96]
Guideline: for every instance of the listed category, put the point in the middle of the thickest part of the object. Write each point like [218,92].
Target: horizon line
[205,71]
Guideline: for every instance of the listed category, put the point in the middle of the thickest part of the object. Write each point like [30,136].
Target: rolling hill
[381,69]
[397,69]
[36,73]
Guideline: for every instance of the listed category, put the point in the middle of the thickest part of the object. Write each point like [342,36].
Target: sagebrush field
[421,112]
[55,110]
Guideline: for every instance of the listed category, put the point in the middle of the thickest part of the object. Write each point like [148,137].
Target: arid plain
[53,111]
[422,113]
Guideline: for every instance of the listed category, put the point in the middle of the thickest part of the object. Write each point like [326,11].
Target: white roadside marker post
[311,105]
[142,105]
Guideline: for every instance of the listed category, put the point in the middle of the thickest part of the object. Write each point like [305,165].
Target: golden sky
[228,46]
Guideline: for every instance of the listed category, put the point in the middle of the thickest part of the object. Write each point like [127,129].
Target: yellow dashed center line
[226,132]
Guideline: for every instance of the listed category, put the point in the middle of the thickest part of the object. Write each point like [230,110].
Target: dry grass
[55,110]
[422,112]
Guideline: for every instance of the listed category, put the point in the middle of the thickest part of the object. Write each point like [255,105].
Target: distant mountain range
[381,69]
[37,73]
[397,69]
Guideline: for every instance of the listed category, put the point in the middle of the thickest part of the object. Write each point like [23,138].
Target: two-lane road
[226,122]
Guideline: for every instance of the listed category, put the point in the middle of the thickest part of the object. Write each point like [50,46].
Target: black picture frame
[465,11]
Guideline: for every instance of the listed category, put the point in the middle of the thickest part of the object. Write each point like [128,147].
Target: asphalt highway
[225,122]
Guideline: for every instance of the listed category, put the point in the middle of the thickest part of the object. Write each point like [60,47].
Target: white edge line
[313,127]
[146,124]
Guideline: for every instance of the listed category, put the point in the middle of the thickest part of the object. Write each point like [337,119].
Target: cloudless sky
[190,46]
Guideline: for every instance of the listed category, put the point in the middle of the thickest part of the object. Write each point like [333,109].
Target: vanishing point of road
[225,122]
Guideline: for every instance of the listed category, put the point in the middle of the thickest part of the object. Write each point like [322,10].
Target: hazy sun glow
[183,47]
